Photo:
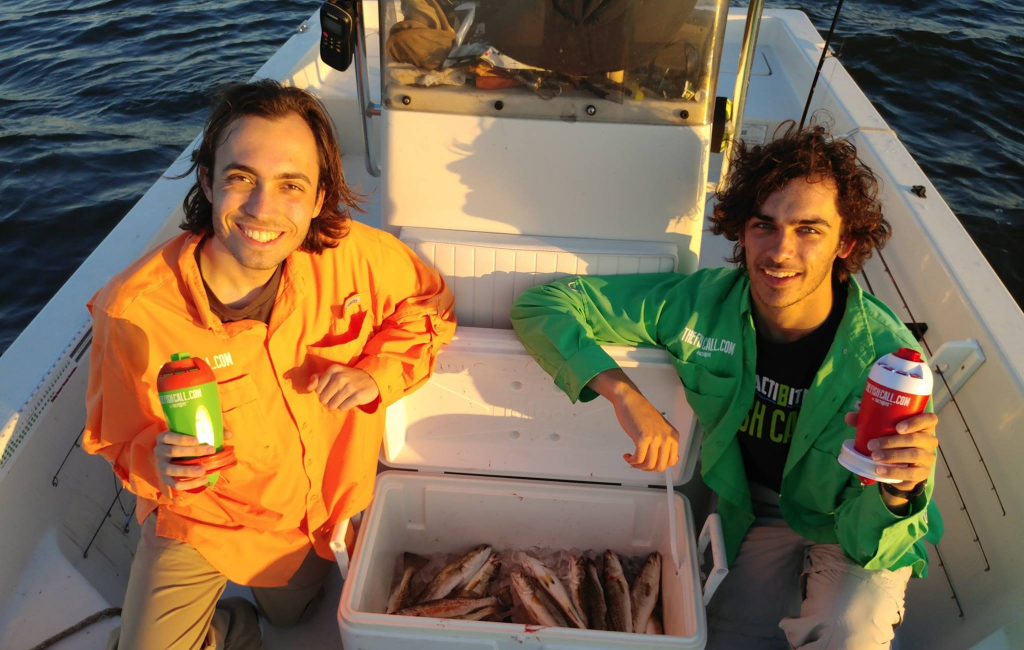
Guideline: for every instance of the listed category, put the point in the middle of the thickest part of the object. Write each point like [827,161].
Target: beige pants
[784,591]
[172,600]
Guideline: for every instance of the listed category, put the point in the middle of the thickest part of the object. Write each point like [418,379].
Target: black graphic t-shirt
[785,371]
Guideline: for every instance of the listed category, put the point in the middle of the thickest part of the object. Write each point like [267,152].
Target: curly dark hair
[269,99]
[758,171]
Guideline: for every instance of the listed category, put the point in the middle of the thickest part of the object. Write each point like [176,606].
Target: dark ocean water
[98,97]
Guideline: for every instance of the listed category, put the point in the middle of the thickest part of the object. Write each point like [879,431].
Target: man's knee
[284,608]
[865,617]
[171,595]
[849,608]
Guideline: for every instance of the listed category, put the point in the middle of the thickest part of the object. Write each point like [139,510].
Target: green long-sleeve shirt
[704,321]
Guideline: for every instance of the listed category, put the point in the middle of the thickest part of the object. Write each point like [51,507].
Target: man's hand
[342,388]
[657,441]
[913,445]
[170,446]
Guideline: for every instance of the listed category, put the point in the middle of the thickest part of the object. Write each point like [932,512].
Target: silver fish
[620,614]
[448,607]
[551,584]
[481,580]
[654,625]
[645,592]
[455,574]
[400,595]
[593,597]
[576,577]
[495,613]
[539,607]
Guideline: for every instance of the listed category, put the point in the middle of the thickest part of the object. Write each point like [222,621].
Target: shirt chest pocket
[708,394]
[349,332]
[703,382]
[239,400]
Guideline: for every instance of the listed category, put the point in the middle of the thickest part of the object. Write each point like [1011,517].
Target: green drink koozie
[188,395]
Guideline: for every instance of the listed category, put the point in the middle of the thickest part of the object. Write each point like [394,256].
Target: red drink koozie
[898,387]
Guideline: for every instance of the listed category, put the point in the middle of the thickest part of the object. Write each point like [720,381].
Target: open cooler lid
[490,409]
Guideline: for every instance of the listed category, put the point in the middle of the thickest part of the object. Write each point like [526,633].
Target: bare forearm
[656,441]
[612,385]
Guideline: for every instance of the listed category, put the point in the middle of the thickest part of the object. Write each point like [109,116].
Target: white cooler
[501,457]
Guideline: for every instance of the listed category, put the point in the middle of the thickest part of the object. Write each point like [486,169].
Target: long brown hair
[269,99]
[759,171]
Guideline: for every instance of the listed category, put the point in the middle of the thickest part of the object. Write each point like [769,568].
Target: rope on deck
[109,612]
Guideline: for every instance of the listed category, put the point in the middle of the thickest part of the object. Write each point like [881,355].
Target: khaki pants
[784,591]
[172,600]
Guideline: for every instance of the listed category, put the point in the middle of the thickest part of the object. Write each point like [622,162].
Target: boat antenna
[821,62]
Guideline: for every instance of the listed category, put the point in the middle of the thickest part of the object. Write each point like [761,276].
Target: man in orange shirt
[312,323]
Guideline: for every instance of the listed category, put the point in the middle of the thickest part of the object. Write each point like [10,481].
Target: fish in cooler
[481,580]
[400,596]
[593,597]
[620,613]
[493,613]
[449,607]
[455,574]
[461,587]
[577,576]
[553,586]
[537,603]
[644,595]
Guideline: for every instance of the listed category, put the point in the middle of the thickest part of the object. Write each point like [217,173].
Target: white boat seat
[486,271]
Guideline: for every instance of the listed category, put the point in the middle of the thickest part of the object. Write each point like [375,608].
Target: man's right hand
[657,441]
[170,446]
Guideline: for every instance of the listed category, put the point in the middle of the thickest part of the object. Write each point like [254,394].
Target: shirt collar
[854,329]
[193,282]
[297,271]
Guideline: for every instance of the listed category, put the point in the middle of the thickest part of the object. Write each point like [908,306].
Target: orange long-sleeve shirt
[369,303]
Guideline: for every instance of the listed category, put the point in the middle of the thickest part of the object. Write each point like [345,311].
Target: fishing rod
[821,62]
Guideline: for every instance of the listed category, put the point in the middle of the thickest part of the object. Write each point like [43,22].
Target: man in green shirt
[773,356]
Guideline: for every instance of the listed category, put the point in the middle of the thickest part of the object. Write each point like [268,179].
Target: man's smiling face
[790,246]
[263,189]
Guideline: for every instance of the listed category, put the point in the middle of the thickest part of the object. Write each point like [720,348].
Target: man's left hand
[913,445]
[342,388]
